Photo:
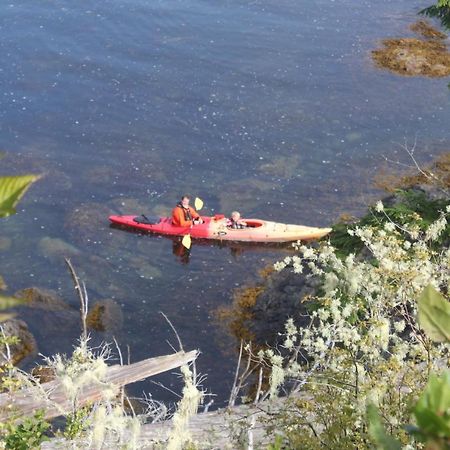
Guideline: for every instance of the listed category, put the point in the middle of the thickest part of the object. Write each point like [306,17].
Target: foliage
[12,189]
[439,11]
[364,344]
[29,434]
[378,433]
[432,412]
[277,444]
[434,315]
[76,423]
[412,206]
[179,436]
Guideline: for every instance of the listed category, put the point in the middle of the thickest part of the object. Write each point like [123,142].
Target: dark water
[271,107]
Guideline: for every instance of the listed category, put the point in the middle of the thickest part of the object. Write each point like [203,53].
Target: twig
[82,294]
[233,395]
[174,330]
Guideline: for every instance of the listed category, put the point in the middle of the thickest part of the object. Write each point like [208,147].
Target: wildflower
[389,226]
[379,207]
[435,229]
[399,326]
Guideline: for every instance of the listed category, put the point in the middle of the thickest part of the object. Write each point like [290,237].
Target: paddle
[187,241]
[198,203]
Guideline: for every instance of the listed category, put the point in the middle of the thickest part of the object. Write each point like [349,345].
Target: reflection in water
[237,249]
[180,251]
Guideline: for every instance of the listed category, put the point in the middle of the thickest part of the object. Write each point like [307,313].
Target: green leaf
[10,302]
[432,411]
[434,315]
[12,190]
[378,434]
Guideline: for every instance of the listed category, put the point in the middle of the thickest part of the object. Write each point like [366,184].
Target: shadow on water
[183,255]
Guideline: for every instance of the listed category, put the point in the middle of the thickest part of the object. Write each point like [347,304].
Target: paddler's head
[185,201]
[235,215]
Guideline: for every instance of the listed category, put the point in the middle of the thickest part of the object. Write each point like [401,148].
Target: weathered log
[239,427]
[227,428]
[53,399]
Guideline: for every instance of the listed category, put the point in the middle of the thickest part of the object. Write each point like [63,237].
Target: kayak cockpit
[145,220]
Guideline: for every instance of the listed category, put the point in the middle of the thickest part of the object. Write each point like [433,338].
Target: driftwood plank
[52,397]
[224,429]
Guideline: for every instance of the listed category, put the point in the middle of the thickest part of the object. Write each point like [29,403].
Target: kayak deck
[215,228]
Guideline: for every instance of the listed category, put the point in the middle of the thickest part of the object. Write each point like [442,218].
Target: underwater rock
[353,137]
[245,195]
[161,210]
[283,167]
[26,345]
[129,206]
[100,175]
[106,316]
[259,312]
[56,249]
[42,299]
[283,298]
[99,276]
[59,180]
[5,243]
[144,268]
[88,224]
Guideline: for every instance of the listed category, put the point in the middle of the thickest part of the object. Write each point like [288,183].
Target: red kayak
[215,228]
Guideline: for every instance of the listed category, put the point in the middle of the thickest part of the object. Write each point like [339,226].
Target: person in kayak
[184,215]
[235,221]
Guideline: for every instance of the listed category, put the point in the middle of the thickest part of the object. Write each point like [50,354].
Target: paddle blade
[186,241]
[198,203]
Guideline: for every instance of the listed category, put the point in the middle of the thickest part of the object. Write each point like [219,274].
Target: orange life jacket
[183,217]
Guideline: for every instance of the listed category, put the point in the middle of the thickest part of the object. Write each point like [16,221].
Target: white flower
[348,309]
[389,226]
[308,253]
[399,326]
[379,207]
[435,229]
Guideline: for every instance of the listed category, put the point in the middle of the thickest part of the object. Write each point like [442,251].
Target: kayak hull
[215,228]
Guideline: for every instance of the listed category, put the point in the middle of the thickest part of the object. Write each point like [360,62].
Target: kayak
[215,228]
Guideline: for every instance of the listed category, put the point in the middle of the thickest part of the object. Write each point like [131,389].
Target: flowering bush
[363,344]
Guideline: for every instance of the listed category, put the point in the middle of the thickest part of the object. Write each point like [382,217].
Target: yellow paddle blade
[198,203]
[186,241]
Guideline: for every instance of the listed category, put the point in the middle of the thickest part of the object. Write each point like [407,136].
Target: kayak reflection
[237,249]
